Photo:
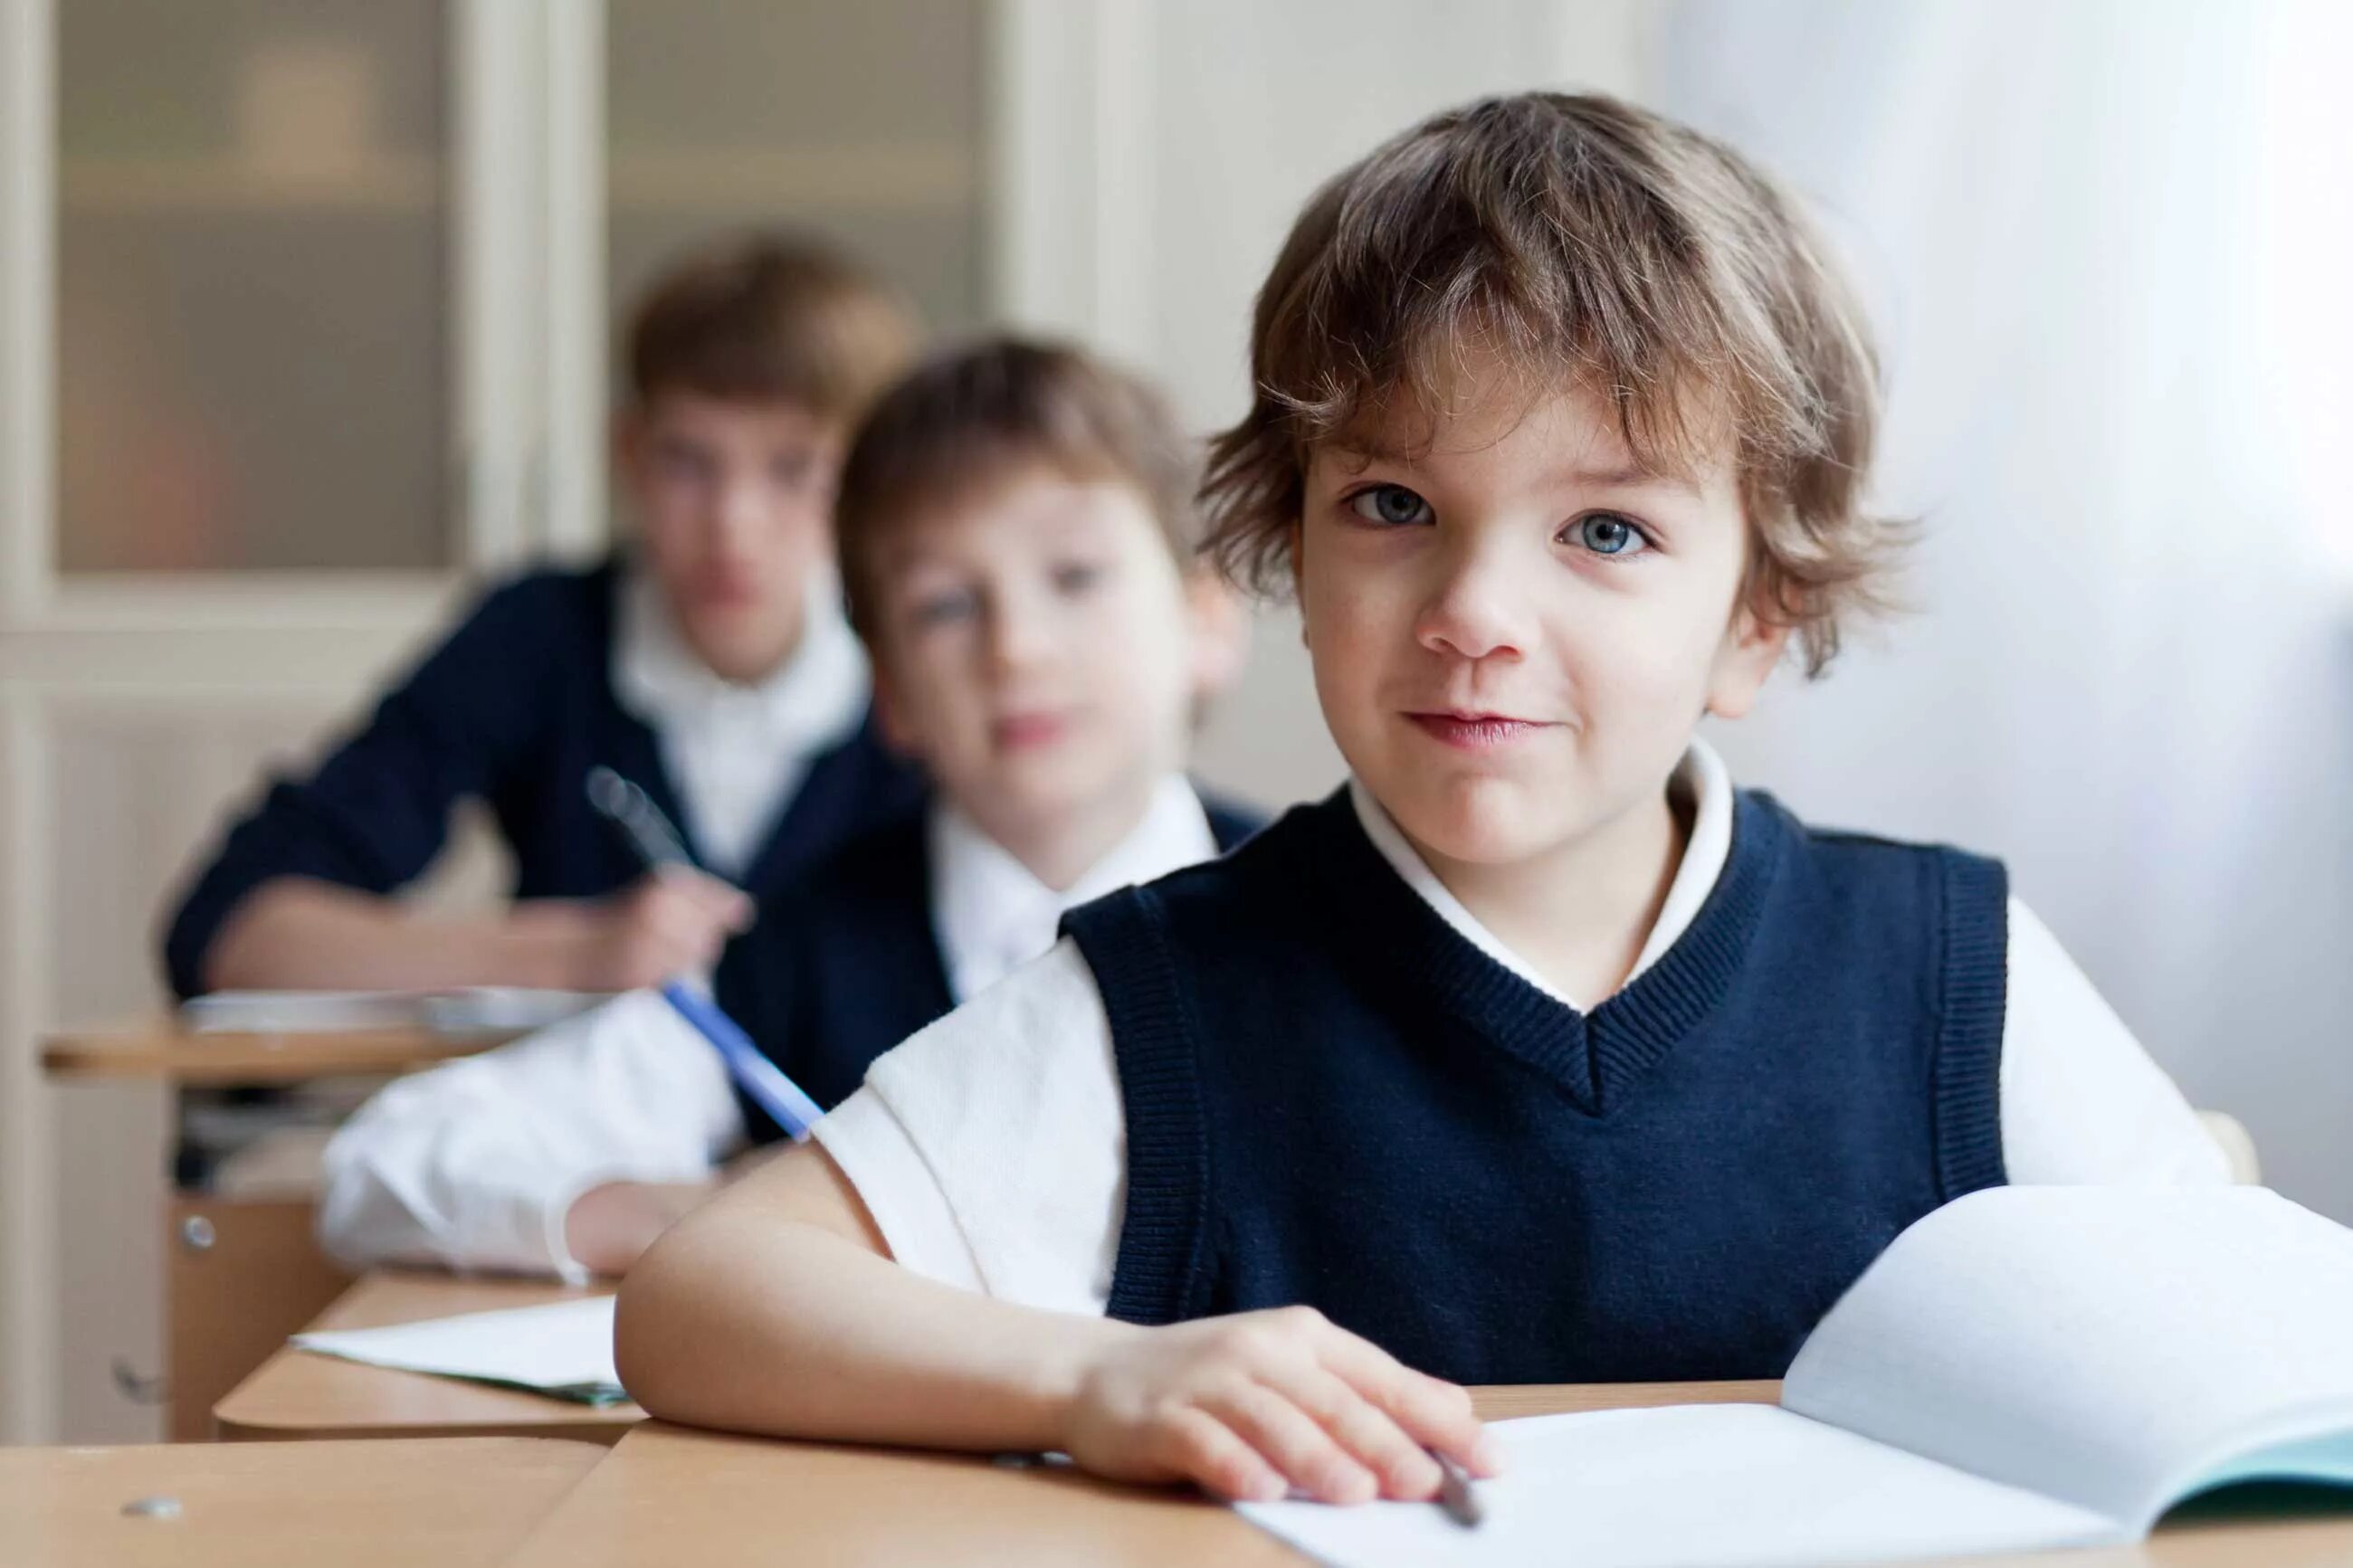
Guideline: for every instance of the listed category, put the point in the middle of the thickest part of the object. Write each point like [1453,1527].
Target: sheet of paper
[2108,1345]
[469,1010]
[564,1349]
[504,1008]
[324,1012]
[1728,1485]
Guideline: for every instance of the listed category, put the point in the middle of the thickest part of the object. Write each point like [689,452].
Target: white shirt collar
[1701,778]
[738,752]
[991,915]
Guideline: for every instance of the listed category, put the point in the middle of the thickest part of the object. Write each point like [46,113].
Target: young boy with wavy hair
[1537,1053]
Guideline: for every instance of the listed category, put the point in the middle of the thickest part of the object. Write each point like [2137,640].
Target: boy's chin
[745,646]
[1488,822]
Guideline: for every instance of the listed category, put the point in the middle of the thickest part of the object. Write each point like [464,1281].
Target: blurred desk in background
[244,1270]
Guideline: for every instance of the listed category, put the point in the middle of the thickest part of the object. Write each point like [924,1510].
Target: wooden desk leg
[244,1274]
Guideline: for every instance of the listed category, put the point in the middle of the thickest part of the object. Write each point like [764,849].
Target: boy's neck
[1061,847]
[1579,914]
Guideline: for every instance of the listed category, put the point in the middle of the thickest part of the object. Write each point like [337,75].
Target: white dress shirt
[738,752]
[990,1147]
[477,1162]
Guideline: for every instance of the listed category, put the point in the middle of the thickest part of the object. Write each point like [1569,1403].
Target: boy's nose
[1477,608]
[1015,637]
[740,511]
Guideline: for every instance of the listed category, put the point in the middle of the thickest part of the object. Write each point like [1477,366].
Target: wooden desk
[162,1050]
[462,1504]
[671,1494]
[242,1273]
[297,1395]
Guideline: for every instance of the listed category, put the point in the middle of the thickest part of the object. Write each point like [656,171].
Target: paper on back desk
[1695,1484]
[564,1349]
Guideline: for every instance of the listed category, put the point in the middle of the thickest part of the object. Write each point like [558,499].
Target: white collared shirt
[991,1147]
[991,916]
[476,1164]
[738,752]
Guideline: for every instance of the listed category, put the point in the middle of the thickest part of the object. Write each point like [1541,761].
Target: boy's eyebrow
[1630,476]
[1622,476]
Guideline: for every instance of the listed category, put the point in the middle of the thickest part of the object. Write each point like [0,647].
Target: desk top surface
[721,1501]
[462,1503]
[295,1393]
[668,1493]
[160,1049]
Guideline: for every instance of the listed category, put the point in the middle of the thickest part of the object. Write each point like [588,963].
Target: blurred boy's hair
[768,319]
[976,415]
[1581,242]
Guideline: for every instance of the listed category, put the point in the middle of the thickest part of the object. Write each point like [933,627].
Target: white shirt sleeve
[991,1148]
[475,1163]
[2081,1102]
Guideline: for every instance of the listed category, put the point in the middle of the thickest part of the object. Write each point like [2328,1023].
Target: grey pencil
[1456,1494]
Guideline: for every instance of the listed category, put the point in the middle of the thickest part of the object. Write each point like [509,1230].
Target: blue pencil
[657,843]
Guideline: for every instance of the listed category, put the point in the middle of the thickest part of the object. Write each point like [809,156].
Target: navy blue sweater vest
[1333,1098]
[847,962]
[514,709]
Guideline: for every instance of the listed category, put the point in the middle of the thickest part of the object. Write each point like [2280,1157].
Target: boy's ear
[1752,647]
[1221,632]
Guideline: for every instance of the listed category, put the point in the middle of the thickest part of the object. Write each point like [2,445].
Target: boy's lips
[1022,731]
[1474,731]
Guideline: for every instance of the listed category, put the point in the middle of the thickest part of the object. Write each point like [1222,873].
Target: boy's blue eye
[942,608]
[684,463]
[1075,578]
[1392,506]
[1606,533]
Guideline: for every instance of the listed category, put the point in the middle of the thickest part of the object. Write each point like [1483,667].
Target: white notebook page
[564,1348]
[1690,1484]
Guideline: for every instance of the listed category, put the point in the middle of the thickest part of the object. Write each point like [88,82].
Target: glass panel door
[862,123]
[252,287]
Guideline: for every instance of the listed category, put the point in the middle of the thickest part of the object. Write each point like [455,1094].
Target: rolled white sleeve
[476,1164]
[2082,1103]
[991,1148]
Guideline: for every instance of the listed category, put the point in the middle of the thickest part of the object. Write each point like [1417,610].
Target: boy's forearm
[298,933]
[789,1330]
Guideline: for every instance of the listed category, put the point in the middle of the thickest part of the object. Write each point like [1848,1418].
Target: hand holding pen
[657,843]
[673,921]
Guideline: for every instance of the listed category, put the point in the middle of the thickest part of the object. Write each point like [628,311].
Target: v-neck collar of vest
[1595,1057]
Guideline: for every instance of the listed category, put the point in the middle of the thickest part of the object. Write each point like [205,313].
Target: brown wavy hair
[1584,242]
[970,415]
[768,318]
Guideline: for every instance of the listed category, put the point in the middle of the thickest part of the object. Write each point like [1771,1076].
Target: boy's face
[1037,648]
[734,506]
[1514,630]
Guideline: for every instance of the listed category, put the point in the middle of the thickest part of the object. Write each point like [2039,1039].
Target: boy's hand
[1252,1406]
[672,922]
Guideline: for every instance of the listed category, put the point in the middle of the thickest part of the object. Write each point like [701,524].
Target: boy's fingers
[1203,1449]
[1365,1432]
[1291,1441]
[1431,1411]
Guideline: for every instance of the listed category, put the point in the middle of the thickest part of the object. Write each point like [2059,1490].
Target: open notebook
[476,1009]
[564,1349]
[2026,1368]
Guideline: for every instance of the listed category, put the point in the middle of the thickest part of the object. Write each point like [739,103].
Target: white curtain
[2110,248]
